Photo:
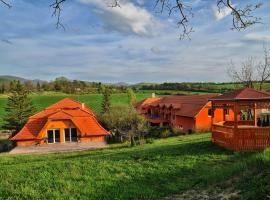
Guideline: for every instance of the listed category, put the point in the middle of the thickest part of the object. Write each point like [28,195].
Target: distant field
[185,164]
[92,100]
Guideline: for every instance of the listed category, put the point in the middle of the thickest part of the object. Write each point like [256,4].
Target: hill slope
[4,79]
[169,166]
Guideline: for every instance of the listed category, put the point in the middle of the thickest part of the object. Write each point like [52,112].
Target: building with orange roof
[65,121]
[187,113]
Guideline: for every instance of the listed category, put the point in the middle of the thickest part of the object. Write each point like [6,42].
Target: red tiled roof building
[65,121]
[187,113]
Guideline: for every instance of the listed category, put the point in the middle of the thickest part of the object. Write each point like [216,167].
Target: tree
[2,89]
[106,104]
[263,68]
[29,85]
[19,108]
[246,75]
[131,97]
[124,121]
[38,87]
[242,17]
[101,88]
[252,71]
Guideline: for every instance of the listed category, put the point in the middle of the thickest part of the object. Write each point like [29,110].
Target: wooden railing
[242,138]
[242,122]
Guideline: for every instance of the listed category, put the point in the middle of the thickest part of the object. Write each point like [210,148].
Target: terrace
[249,129]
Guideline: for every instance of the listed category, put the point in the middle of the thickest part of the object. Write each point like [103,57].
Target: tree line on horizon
[61,84]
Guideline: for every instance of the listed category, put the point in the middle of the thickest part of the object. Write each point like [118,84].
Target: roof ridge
[62,110]
[250,89]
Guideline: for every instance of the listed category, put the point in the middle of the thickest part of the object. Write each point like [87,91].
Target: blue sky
[131,44]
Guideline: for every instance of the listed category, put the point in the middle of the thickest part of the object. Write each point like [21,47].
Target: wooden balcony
[242,138]
[156,119]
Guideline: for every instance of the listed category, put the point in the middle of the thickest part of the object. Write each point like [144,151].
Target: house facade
[187,113]
[65,121]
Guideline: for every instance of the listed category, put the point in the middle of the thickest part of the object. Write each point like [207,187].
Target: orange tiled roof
[66,109]
[188,106]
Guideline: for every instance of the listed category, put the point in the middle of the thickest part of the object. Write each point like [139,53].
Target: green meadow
[185,164]
[92,100]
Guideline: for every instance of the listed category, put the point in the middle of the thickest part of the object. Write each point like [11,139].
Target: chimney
[153,95]
[83,106]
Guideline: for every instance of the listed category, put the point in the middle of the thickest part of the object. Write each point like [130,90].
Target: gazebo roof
[242,94]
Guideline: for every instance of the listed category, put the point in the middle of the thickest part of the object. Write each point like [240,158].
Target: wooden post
[224,116]
[212,113]
[235,115]
[255,114]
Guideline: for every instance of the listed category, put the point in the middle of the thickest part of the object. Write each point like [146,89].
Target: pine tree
[2,89]
[19,108]
[106,101]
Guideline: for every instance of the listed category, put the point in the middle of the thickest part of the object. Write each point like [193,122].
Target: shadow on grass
[194,147]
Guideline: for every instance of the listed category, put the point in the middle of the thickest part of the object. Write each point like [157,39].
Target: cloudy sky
[133,43]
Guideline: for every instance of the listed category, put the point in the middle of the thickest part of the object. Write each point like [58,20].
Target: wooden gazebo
[245,123]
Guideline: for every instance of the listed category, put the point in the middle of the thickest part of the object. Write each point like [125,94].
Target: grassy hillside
[92,100]
[184,164]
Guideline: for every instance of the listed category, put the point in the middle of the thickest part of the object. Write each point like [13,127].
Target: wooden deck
[243,138]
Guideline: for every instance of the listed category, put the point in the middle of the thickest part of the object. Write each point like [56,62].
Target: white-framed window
[53,135]
[71,135]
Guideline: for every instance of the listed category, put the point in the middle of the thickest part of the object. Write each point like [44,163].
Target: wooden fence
[242,138]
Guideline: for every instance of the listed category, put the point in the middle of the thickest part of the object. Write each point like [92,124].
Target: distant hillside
[119,84]
[7,79]
[4,79]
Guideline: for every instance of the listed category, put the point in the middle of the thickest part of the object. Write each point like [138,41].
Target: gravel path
[54,148]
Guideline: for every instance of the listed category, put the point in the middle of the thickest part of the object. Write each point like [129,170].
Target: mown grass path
[153,171]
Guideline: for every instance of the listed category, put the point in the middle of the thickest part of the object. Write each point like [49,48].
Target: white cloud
[221,13]
[258,36]
[128,18]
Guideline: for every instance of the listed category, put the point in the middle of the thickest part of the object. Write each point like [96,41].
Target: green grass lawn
[93,100]
[153,171]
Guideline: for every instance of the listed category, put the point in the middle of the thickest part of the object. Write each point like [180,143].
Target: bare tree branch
[183,10]
[246,75]
[263,68]
[114,3]
[5,3]
[57,12]
[241,17]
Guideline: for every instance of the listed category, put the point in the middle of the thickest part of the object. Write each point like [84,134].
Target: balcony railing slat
[243,138]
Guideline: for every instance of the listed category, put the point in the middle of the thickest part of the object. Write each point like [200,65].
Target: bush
[177,131]
[160,132]
[165,133]
[149,141]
